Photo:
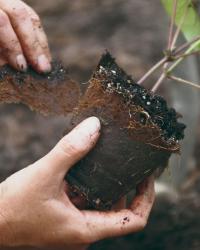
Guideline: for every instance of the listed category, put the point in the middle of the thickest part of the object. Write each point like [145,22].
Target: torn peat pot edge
[139,133]
[54,93]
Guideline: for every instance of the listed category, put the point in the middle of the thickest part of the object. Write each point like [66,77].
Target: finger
[10,45]
[71,148]
[41,36]
[25,29]
[144,199]
[121,204]
[111,224]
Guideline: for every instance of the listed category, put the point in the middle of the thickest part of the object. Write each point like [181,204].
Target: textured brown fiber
[126,153]
[54,93]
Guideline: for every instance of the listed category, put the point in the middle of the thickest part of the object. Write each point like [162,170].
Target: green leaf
[191,24]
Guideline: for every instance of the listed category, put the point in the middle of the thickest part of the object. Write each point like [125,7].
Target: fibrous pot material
[53,93]
[139,134]
[139,131]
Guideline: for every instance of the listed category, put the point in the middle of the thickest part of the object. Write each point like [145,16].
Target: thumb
[72,147]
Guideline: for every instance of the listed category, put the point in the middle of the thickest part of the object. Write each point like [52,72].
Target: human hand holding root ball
[35,209]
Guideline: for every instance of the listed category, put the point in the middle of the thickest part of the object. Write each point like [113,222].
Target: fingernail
[21,63]
[44,64]
[85,133]
[91,125]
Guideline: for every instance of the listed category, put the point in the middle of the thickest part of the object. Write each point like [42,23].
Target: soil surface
[78,32]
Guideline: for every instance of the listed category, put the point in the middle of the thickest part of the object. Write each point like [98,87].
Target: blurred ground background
[135,32]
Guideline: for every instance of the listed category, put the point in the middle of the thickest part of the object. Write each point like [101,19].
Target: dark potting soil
[115,79]
[58,73]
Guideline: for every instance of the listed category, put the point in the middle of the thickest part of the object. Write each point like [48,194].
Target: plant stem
[187,54]
[178,79]
[192,47]
[178,58]
[166,72]
[171,42]
[173,17]
[178,30]
[159,82]
[174,54]
[153,69]
[187,44]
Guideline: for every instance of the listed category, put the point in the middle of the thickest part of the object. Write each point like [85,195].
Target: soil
[78,32]
[114,79]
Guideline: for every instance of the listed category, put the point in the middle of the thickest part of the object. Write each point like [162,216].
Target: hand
[22,39]
[36,211]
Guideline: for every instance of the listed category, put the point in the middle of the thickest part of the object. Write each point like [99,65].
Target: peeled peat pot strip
[53,93]
[139,133]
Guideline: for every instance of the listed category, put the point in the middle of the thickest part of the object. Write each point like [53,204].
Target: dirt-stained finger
[117,223]
[11,49]
[26,31]
[42,38]
[142,203]
[40,33]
